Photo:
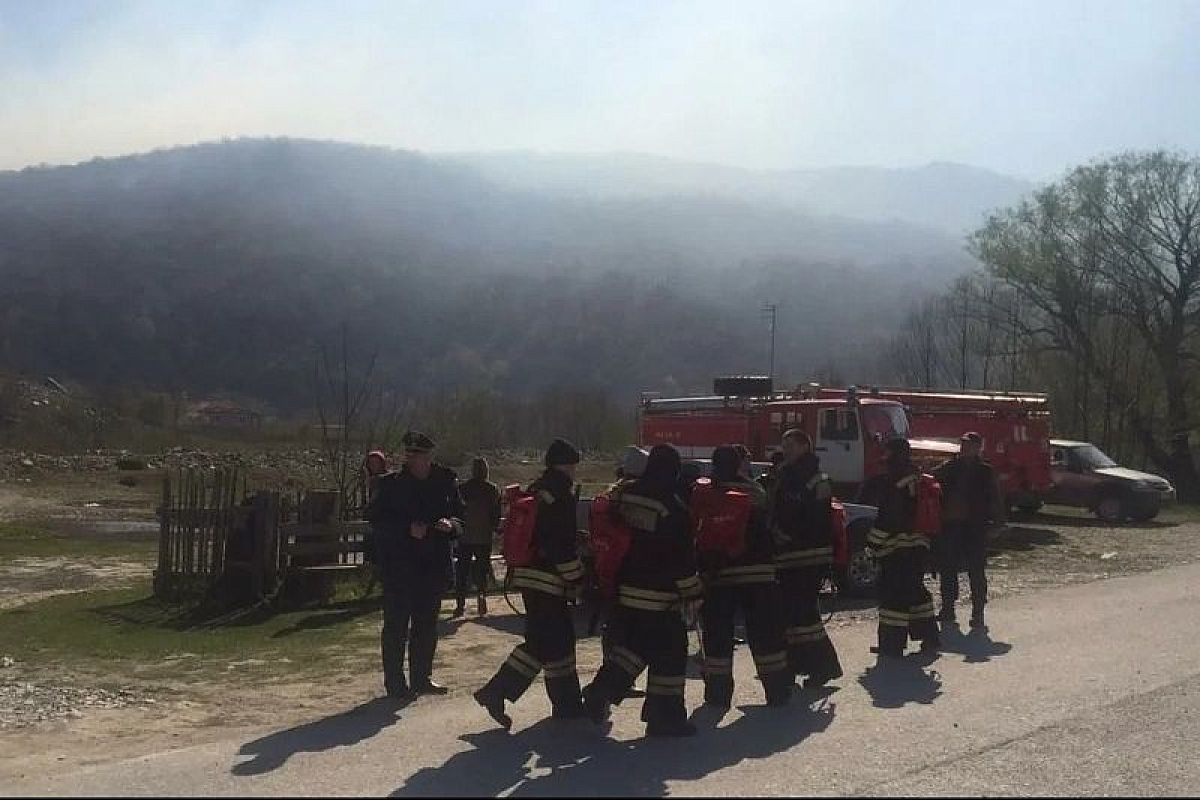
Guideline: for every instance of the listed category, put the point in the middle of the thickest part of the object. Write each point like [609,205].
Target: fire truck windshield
[884,421]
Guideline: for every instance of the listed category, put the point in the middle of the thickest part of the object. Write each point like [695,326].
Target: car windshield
[885,421]
[1090,457]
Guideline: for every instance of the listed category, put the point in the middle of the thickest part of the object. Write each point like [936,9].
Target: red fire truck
[848,431]
[849,428]
[1015,430]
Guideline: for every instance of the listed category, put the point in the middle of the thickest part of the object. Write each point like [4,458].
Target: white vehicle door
[839,444]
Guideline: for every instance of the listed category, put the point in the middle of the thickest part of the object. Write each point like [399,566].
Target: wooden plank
[323,548]
[272,554]
[227,523]
[262,507]
[189,540]
[327,568]
[218,497]
[203,559]
[176,551]
[214,525]
[164,537]
[328,529]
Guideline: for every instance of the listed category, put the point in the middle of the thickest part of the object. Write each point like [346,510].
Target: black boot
[680,729]
[597,707]
[398,690]
[459,609]
[977,617]
[779,693]
[718,691]
[428,686]
[570,711]
[481,608]
[494,705]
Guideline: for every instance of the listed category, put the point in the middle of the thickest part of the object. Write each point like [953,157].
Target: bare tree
[1115,243]
[916,356]
[343,396]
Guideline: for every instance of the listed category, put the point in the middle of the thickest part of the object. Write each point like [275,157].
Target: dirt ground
[27,580]
[54,714]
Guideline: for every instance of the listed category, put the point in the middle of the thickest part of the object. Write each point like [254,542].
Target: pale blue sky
[1027,88]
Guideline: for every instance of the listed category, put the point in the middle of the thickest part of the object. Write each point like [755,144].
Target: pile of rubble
[23,703]
[23,464]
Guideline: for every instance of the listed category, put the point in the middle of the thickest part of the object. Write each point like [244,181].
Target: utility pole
[769,310]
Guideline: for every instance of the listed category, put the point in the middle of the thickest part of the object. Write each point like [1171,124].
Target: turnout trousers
[905,605]
[962,544]
[637,639]
[760,606]
[549,647]
[410,613]
[810,652]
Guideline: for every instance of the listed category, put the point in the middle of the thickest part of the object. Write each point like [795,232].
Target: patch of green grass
[131,632]
[32,541]
[1180,513]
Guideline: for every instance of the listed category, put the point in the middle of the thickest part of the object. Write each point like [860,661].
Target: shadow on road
[977,646]
[894,682]
[341,730]
[560,759]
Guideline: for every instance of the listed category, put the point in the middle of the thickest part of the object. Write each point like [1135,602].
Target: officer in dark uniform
[970,501]
[801,515]
[546,585]
[905,606]
[746,582]
[656,582]
[414,514]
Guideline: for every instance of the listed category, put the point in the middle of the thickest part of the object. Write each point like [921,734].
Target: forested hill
[222,266]
[953,198]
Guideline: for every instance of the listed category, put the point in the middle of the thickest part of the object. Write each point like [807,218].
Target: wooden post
[176,506]
[271,545]
[189,529]
[320,510]
[162,576]
[260,570]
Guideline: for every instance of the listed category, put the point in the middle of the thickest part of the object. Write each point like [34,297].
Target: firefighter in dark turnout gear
[970,501]
[746,582]
[801,517]
[656,582]
[905,606]
[414,514]
[547,585]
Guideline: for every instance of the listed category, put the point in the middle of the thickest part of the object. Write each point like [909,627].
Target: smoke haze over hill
[223,266]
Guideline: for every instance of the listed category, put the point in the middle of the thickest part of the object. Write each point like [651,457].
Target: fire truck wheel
[1110,508]
[861,573]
